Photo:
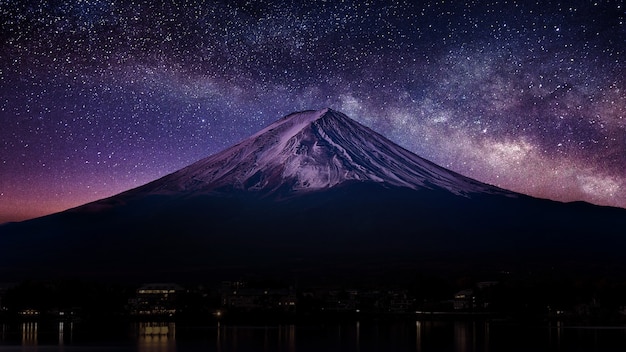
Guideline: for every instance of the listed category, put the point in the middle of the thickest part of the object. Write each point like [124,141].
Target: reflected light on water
[29,333]
[61,332]
[291,338]
[355,336]
[556,338]
[418,336]
[268,338]
[471,336]
[219,337]
[461,337]
[358,336]
[156,336]
[487,337]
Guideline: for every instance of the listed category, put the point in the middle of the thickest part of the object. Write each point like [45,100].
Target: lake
[357,336]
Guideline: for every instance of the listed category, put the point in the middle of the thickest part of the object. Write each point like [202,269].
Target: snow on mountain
[314,150]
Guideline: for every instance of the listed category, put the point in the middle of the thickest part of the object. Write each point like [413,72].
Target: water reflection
[245,338]
[156,336]
[555,330]
[471,336]
[363,335]
[418,336]
[61,333]
[358,336]
[29,333]
[218,338]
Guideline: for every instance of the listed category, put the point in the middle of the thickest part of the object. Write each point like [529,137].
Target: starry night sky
[99,96]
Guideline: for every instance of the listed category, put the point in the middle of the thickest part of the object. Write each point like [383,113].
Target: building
[464,300]
[156,300]
[237,296]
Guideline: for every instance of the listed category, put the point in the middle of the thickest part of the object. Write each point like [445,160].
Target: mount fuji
[314,194]
[312,151]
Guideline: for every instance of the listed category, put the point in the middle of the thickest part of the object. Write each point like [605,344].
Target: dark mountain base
[360,232]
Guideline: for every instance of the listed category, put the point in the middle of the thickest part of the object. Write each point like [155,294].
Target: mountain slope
[313,150]
[311,193]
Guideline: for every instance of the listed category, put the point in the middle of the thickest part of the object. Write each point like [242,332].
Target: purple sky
[99,96]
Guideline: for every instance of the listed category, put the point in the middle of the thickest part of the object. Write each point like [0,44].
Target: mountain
[315,194]
[311,151]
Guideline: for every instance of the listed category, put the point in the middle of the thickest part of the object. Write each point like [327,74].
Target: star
[97,97]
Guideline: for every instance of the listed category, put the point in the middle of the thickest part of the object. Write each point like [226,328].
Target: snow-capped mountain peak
[313,150]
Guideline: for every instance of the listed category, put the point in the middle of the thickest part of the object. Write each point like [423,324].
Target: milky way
[99,96]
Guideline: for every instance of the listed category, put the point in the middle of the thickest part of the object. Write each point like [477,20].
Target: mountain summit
[310,151]
[315,194]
